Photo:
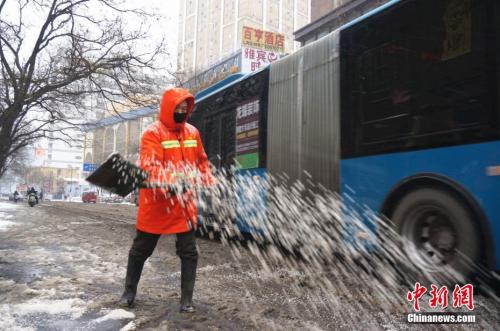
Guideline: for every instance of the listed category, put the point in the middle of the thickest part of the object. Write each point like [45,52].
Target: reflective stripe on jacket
[171,153]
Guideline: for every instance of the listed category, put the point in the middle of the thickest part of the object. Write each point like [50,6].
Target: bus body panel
[369,180]
[251,199]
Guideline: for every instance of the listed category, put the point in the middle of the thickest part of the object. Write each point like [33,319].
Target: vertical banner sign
[247,134]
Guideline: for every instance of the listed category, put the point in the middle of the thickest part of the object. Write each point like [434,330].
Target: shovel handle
[170,188]
[149,185]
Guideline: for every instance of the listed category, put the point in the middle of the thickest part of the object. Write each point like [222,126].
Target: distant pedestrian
[16,196]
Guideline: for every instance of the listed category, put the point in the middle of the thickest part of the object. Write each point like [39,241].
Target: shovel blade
[118,175]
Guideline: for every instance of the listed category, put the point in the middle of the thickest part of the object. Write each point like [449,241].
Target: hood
[171,98]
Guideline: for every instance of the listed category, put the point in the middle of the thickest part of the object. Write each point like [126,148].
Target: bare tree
[56,53]
[17,170]
[18,164]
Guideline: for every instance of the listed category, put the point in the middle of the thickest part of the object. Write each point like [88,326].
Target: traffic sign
[90,167]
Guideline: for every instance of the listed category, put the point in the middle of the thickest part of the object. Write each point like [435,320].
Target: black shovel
[118,176]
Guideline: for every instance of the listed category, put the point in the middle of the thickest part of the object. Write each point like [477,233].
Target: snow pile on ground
[6,282]
[129,327]
[74,307]
[4,217]
[116,314]
[10,313]
[5,225]
[4,206]
[7,322]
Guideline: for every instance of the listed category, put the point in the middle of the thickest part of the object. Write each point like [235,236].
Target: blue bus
[398,110]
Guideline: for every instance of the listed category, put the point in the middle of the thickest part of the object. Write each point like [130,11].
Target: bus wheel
[439,235]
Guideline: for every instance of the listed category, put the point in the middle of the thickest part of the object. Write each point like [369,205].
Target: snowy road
[62,266]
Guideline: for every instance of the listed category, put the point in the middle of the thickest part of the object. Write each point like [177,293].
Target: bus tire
[438,235]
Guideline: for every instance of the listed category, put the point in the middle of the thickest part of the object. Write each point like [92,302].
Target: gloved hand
[178,189]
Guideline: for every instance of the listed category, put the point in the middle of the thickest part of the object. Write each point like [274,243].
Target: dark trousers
[145,243]
[142,248]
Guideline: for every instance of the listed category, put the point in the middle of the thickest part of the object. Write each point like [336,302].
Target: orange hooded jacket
[171,153]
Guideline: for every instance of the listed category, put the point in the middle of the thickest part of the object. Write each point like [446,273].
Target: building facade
[53,153]
[119,133]
[320,8]
[55,163]
[56,182]
[329,15]
[210,31]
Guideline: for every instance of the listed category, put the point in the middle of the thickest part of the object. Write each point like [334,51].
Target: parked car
[20,197]
[111,199]
[116,199]
[89,196]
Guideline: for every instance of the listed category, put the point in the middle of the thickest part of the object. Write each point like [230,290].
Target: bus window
[421,75]
[228,139]
[212,140]
[219,138]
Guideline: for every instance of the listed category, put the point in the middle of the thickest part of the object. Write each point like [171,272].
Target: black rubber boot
[134,270]
[128,297]
[188,277]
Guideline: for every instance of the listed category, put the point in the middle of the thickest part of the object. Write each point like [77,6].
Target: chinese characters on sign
[253,59]
[89,167]
[247,134]
[462,296]
[266,40]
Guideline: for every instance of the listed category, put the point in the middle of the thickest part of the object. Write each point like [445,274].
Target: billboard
[252,59]
[266,40]
[247,134]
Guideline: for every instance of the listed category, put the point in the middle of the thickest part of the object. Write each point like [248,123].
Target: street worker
[172,153]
